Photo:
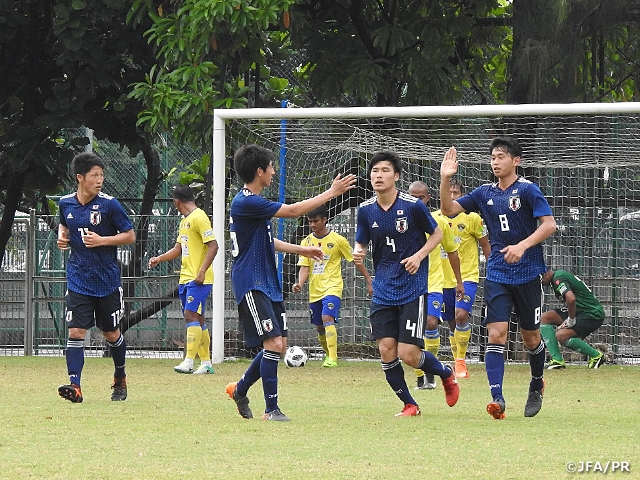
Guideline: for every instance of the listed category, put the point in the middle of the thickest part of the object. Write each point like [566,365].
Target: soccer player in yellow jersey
[449,249]
[198,247]
[325,280]
[470,233]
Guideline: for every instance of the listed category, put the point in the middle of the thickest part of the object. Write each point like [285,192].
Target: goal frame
[220,116]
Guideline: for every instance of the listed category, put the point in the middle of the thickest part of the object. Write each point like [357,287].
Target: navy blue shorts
[525,299]
[261,318]
[405,323]
[84,311]
[451,303]
[329,305]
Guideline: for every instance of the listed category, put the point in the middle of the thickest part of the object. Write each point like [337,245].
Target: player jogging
[93,225]
[325,280]
[197,246]
[582,315]
[254,275]
[448,248]
[395,224]
[518,219]
[469,232]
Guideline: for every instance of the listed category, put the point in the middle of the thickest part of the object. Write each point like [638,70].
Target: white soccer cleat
[204,370]
[185,367]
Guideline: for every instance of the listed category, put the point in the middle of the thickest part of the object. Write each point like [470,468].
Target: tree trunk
[134,269]
[14,194]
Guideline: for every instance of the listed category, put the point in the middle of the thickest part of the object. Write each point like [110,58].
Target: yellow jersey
[467,229]
[194,233]
[325,278]
[436,260]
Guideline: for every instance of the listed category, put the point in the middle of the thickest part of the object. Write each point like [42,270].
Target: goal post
[586,158]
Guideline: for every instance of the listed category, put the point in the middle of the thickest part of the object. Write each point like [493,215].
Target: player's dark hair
[249,159]
[511,145]
[320,211]
[455,182]
[184,193]
[386,155]
[85,161]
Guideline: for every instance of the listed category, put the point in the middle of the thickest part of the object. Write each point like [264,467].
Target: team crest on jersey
[95,218]
[95,207]
[400,212]
[267,325]
[330,245]
[402,224]
[514,203]
[460,227]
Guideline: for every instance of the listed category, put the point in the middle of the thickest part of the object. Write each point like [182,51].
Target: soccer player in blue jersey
[93,225]
[395,223]
[518,219]
[254,275]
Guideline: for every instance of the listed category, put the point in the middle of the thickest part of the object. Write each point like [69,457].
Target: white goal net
[586,159]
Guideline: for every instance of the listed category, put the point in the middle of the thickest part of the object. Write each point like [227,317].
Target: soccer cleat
[596,362]
[430,381]
[70,392]
[185,367]
[556,365]
[409,410]
[329,363]
[420,383]
[275,416]
[451,388]
[461,369]
[496,408]
[534,402]
[119,388]
[242,402]
[204,370]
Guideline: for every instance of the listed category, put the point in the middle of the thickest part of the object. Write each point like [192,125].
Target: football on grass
[295,357]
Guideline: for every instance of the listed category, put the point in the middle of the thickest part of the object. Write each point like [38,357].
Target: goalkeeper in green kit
[581,315]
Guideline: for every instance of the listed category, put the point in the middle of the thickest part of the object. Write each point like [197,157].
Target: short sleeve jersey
[563,282]
[511,216]
[438,256]
[395,234]
[467,229]
[93,271]
[254,261]
[194,234]
[325,278]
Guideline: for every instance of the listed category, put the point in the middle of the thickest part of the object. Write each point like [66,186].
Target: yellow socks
[194,336]
[331,336]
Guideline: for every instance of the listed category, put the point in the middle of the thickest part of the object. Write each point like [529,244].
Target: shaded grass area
[173,426]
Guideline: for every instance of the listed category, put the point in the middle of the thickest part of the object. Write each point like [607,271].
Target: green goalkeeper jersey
[586,303]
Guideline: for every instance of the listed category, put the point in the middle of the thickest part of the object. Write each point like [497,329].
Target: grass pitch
[343,425]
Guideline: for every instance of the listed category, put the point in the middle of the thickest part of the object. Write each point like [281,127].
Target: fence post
[28,288]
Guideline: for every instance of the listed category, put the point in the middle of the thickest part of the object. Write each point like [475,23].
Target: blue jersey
[254,264]
[93,271]
[396,234]
[510,216]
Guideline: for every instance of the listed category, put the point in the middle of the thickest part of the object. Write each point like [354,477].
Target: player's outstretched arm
[339,186]
[166,256]
[448,169]
[310,252]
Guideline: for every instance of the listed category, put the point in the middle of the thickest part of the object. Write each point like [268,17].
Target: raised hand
[342,184]
[449,166]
